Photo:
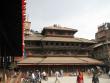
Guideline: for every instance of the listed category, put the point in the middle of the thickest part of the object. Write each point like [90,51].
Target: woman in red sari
[80,78]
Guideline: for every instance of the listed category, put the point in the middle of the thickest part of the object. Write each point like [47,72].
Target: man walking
[95,78]
[57,74]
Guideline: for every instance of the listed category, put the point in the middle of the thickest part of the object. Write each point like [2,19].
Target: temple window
[62,44]
[46,43]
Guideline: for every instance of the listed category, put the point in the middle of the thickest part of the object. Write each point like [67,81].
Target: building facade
[102,48]
[57,48]
[55,41]
[103,33]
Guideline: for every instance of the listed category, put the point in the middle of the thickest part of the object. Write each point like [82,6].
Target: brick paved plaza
[66,79]
[73,80]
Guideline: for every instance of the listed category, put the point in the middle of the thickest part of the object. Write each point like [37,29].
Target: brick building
[102,48]
[57,48]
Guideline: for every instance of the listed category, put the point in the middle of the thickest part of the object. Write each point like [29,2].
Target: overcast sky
[83,15]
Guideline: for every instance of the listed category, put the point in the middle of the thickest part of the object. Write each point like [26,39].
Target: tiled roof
[34,37]
[59,60]
[64,39]
[90,60]
[100,44]
[60,39]
[58,27]
[31,60]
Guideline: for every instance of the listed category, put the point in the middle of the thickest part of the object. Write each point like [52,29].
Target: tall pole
[4,61]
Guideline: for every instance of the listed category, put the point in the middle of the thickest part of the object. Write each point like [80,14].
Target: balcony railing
[67,47]
[57,47]
[33,47]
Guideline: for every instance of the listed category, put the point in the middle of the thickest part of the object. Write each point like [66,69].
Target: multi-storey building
[102,48]
[56,48]
[103,33]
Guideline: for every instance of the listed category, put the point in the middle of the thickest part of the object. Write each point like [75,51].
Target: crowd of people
[36,76]
[95,73]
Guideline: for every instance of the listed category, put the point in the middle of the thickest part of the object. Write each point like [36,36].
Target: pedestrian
[1,76]
[33,77]
[95,78]
[38,76]
[44,74]
[109,73]
[51,73]
[80,78]
[92,70]
[57,74]
[61,73]
[27,74]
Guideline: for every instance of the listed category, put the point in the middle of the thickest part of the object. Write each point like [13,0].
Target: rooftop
[58,27]
[59,60]
[58,39]
[65,39]
[101,44]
